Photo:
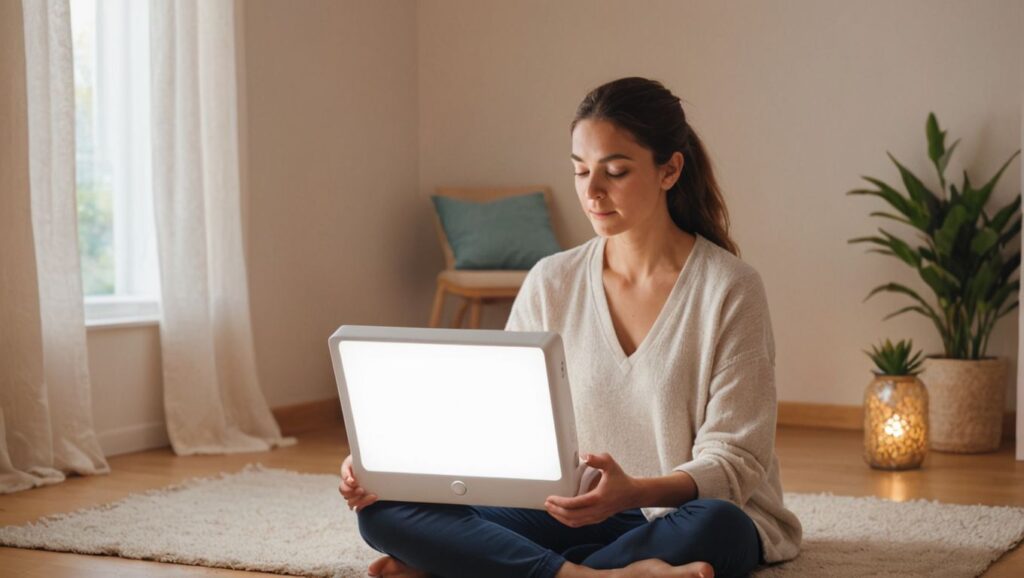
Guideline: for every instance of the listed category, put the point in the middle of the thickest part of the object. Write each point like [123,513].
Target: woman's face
[617,182]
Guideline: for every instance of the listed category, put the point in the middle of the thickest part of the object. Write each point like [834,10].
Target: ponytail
[694,202]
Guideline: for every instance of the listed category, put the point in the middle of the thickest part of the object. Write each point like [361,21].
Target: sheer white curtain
[212,397]
[46,428]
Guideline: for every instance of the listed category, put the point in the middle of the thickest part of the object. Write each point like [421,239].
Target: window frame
[120,121]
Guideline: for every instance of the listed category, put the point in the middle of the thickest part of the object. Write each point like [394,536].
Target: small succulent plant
[895,359]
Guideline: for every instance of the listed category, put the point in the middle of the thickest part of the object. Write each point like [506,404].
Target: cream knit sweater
[698,394]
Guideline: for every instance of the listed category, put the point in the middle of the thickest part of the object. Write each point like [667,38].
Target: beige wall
[127,388]
[1020,315]
[333,232]
[355,110]
[795,100]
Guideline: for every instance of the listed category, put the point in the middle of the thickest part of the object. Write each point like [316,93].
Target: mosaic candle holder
[895,422]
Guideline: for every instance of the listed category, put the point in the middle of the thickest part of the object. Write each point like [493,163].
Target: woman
[671,359]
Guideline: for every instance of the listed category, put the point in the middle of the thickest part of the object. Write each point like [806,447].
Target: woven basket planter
[966,399]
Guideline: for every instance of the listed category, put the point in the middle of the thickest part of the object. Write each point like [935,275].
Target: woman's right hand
[354,494]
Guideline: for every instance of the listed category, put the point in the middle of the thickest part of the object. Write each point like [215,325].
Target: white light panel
[470,410]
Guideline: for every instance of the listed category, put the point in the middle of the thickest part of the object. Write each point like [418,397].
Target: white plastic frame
[526,484]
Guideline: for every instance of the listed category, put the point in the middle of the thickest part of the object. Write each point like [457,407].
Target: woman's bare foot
[388,566]
[652,567]
[657,568]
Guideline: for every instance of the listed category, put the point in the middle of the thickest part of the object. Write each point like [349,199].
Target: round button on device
[459,487]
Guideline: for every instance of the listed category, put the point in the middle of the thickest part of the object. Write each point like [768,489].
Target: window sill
[121,311]
[121,323]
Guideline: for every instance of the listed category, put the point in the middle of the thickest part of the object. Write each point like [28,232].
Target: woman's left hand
[615,492]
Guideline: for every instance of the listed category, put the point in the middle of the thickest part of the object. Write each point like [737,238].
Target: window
[116,231]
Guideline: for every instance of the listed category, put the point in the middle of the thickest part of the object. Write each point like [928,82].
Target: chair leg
[474,314]
[435,314]
[460,314]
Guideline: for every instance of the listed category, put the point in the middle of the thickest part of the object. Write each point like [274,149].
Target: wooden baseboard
[795,413]
[302,417]
[133,438]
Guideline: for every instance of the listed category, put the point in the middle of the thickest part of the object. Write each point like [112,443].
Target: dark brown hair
[655,118]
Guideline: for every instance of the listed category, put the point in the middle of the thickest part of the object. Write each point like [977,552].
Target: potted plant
[895,409]
[966,263]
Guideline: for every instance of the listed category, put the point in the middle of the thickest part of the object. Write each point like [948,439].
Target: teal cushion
[509,233]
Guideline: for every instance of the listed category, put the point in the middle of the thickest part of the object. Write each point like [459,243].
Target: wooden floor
[813,460]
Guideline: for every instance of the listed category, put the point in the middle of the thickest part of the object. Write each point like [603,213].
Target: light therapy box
[460,416]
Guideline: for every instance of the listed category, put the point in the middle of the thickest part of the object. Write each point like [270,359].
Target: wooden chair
[476,287]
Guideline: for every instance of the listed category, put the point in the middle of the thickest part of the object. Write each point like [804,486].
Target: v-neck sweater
[698,393]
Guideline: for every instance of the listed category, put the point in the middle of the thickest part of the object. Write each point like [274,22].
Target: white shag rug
[285,522]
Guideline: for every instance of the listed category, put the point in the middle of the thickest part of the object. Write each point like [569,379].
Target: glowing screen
[469,410]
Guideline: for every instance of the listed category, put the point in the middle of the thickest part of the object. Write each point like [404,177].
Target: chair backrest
[480,195]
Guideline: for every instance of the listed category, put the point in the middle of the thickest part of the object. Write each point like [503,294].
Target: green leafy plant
[895,359]
[962,259]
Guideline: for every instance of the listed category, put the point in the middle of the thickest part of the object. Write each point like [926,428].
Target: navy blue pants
[453,540]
